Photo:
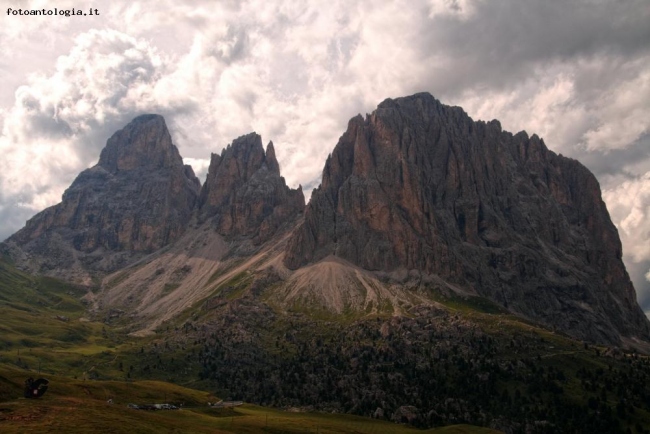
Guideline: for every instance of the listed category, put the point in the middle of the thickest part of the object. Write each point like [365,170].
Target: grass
[45,332]
[43,325]
[467,303]
[236,285]
[75,406]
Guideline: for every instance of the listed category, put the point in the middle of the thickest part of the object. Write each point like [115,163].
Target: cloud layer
[577,73]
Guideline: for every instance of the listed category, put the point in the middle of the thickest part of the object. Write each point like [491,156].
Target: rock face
[137,199]
[418,185]
[244,194]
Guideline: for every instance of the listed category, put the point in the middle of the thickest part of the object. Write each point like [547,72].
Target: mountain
[419,187]
[417,200]
[135,200]
[244,194]
[441,274]
[241,221]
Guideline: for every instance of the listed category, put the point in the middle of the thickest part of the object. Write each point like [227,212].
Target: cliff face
[244,194]
[137,199]
[420,186]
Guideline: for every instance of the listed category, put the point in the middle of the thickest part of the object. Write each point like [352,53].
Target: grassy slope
[44,333]
[76,406]
[76,354]
[43,326]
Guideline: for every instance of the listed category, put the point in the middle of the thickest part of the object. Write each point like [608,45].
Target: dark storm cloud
[630,162]
[232,47]
[13,217]
[43,125]
[14,212]
[506,41]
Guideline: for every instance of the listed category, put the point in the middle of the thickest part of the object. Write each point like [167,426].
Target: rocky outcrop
[138,198]
[244,194]
[418,185]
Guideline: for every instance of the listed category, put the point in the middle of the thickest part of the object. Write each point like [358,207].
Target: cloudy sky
[575,72]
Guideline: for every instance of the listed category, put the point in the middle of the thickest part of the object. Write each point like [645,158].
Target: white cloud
[629,207]
[200,167]
[460,9]
[59,123]
[542,104]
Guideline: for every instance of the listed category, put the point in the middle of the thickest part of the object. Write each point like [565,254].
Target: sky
[575,72]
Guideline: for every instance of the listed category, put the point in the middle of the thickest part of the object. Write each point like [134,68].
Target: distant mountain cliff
[244,193]
[416,198]
[137,199]
[418,185]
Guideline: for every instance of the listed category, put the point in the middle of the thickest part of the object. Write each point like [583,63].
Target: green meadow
[46,331]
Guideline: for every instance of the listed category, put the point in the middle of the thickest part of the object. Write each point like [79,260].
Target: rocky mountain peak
[270,159]
[244,194]
[144,142]
[137,199]
[420,187]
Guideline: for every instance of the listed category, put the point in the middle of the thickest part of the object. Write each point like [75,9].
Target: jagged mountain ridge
[418,185]
[244,194]
[140,198]
[415,198]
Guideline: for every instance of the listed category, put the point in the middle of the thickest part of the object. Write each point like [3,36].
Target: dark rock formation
[420,186]
[35,388]
[245,195]
[137,199]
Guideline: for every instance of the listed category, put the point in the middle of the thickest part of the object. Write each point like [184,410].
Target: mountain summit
[144,143]
[137,199]
[244,193]
[420,187]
